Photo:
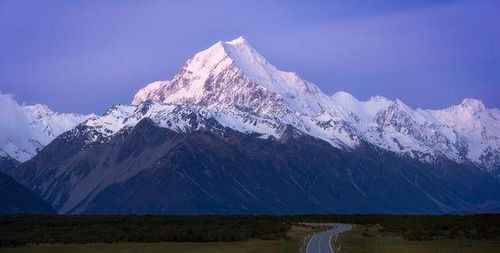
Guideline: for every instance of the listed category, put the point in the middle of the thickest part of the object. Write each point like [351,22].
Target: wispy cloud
[14,125]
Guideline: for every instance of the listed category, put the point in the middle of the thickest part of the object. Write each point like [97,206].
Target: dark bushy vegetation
[424,227]
[16,230]
[444,227]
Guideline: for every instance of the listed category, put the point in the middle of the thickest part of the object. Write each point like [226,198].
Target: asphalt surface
[322,242]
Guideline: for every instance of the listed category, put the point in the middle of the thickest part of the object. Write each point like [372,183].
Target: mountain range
[232,134]
[26,129]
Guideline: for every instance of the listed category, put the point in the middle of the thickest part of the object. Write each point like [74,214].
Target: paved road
[322,242]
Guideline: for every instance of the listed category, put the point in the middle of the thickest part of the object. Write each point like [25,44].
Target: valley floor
[259,234]
[358,240]
[293,244]
[276,246]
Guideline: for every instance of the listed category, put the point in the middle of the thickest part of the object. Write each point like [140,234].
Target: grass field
[172,247]
[293,244]
[412,234]
[363,239]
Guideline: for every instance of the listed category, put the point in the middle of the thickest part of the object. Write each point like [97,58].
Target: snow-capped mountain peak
[257,68]
[238,41]
[233,73]
[474,105]
[48,124]
[231,82]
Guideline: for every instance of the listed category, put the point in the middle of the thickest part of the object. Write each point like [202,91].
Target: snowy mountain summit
[232,74]
[231,83]
[232,134]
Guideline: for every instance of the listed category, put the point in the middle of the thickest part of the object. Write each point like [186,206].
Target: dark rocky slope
[16,198]
[153,170]
[7,164]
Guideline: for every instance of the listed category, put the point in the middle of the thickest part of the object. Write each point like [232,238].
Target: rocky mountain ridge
[231,76]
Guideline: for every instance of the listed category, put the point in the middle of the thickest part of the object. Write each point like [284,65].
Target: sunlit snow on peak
[233,76]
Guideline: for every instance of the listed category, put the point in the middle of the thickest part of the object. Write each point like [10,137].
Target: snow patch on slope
[150,92]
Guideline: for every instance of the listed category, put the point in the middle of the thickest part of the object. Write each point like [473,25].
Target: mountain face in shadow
[148,169]
[16,198]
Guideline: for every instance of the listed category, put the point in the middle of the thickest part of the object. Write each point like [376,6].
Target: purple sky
[84,56]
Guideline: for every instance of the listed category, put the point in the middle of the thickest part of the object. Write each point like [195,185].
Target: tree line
[36,229]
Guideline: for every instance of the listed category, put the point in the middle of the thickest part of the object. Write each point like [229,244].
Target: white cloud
[14,124]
